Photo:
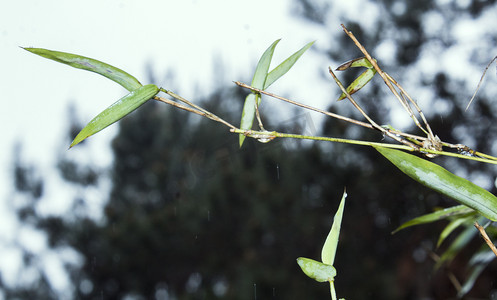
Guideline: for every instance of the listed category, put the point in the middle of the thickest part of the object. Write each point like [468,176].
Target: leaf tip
[241,139]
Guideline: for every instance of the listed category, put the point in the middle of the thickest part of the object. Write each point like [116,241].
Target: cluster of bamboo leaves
[476,204]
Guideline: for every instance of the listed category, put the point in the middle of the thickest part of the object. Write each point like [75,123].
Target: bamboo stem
[486,238]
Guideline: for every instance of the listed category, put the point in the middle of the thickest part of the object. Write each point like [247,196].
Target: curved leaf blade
[435,216]
[330,245]
[443,181]
[285,66]
[478,263]
[81,62]
[456,246]
[117,111]
[355,63]
[470,281]
[453,225]
[261,71]
[358,83]
[316,270]
[248,113]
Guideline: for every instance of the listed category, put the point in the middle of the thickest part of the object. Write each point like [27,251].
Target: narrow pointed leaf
[285,66]
[248,113]
[354,63]
[358,83]
[261,71]
[317,270]
[81,62]
[330,245]
[478,262]
[453,225]
[117,111]
[436,216]
[444,182]
[470,281]
[455,247]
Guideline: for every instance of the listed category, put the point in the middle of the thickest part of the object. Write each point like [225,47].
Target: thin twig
[194,108]
[486,238]
[330,114]
[257,114]
[373,123]
[414,138]
[364,124]
[479,83]
[386,78]
[266,136]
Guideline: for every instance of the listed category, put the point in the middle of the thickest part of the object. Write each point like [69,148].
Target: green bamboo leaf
[355,63]
[248,113]
[478,263]
[444,182]
[77,61]
[330,245]
[453,225]
[436,216]
[285,66]
[117,111]
[317,270]
[455,247]
[358,83]
[470,281]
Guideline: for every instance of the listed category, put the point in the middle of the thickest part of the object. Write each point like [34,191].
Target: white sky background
[178,36]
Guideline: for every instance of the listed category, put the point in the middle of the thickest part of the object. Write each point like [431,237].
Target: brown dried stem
[388,81]
[486,238]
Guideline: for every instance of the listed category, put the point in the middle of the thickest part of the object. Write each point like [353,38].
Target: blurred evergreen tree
[407,26]
[192,216]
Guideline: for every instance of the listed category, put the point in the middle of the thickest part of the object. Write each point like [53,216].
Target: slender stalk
[486,238]
[479,83]
[388,82]
[332,290]
[266,136]
[258,115]
[373,123]
[193,107]
[330,114]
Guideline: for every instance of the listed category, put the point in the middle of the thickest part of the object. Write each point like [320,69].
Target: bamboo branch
[486,238]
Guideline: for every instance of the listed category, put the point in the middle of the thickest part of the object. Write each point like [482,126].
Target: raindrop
[466,152]
[93,263]
[278,171]
[194,282]
[220,287]
[86,286]
[255,291]
[208,215]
